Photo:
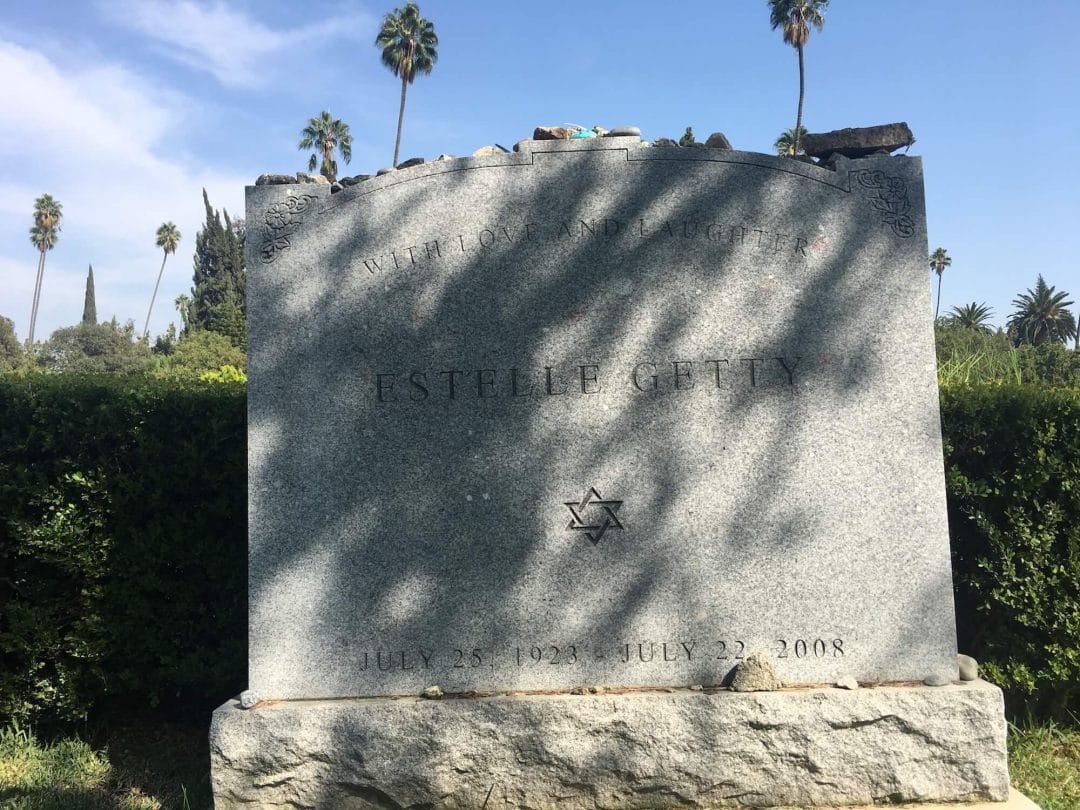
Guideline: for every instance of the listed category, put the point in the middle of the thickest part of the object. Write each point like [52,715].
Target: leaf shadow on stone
[562,303]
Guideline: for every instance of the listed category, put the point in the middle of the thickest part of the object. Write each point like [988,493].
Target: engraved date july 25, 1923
[583,654]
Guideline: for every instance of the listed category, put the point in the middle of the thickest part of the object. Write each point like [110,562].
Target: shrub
[1012,460]
[198,353]
[95,348]
[122,543]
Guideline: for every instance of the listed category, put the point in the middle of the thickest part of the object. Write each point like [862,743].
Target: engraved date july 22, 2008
[648,652]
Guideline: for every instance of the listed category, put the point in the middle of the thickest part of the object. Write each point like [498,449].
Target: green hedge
[123,550]
[1012,462]
[123,541]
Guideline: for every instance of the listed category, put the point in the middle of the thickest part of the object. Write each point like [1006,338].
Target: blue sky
[125,110]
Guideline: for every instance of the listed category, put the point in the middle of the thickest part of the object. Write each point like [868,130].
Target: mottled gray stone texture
[699,749]
[594,414]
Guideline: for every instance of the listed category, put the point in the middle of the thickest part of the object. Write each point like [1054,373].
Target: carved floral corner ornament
[281,221]
[889,195]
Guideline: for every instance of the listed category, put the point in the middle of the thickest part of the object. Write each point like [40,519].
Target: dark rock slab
[857,142]
[408,164]
[352,181]
[718,140]
[275,179]
[664,142]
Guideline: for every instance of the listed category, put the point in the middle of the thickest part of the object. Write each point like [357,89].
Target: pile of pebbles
[822,149]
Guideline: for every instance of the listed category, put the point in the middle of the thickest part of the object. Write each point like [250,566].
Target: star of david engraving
[594,515]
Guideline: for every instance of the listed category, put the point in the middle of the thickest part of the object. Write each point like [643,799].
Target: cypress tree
[89,308]
[218,294]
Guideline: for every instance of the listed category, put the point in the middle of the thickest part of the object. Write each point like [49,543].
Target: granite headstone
[594,414]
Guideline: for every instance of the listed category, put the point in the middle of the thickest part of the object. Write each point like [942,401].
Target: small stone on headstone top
[665,142]
[445,157]
[275,180]
[335,188]
[248,699]
[408,164]
[485,151]
[857,142]
[522,143]
[969,667]
[755,673]
[718,140]
[552,133]
[352,181]
[385,170]
[317,179]
[624,132]
[847,683]
[432,692]
[937,680]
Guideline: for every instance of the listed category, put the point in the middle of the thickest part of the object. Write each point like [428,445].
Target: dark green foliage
[89,309]
[218,295]
[1012,460]
[687,138]
[972,356]
[971,316]
[11,353]
[1042,315]
[1054,364]
[165,343]
[97,348]
[122,544]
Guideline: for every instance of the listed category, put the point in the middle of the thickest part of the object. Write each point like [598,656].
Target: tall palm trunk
[802,92]
[146,326]
[400,118]
[37,297]
[937,306]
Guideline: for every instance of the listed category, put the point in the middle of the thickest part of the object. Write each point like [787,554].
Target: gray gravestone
[594,414]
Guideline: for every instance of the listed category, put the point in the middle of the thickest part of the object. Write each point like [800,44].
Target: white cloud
[92,137]
[236,48]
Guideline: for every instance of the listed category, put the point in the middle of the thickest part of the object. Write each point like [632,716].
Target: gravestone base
[626,749]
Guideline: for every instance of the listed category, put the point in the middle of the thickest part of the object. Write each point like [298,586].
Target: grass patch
[139,766]
[1044,762]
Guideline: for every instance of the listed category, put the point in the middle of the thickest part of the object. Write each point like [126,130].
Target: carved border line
[889,192]
[281,221]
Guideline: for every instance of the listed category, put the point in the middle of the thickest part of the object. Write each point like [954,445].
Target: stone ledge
[821,747]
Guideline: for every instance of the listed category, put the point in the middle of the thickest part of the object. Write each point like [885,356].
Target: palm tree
[795,18]
[183,305]
[168,237]
[787,144]
[43,234]
[939,260]
[409,45]
[325,134]
[972,316]
[1041,315]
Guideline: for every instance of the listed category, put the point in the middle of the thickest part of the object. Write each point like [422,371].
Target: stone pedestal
[628,749]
